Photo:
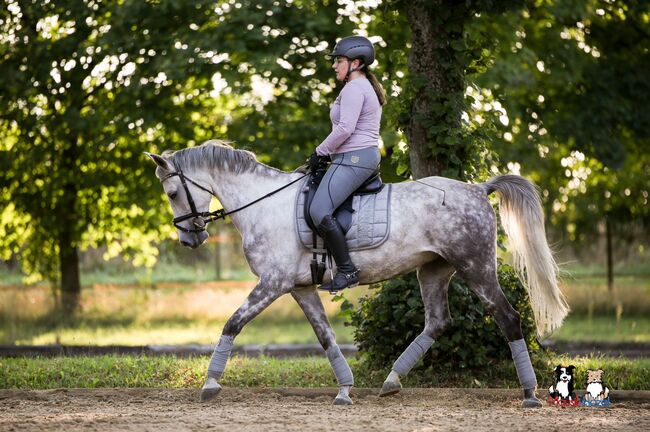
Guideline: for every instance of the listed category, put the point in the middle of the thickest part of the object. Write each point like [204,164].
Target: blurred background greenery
[555,90]
[187,298]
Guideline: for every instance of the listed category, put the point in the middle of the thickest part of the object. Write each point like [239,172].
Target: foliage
[553,87]
[449,131]
[387,321]
[540,92]
[434,104]
[568,74]
[88,86]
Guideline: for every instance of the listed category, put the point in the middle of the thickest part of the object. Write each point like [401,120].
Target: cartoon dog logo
[597,393]
[561,393]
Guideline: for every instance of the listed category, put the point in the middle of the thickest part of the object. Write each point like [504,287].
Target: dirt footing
[291,409]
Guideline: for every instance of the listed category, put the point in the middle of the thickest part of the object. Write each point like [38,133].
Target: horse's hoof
[531,403]
[342,400]
[390,388]
[210,389]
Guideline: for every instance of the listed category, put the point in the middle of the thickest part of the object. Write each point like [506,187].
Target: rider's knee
[317,214]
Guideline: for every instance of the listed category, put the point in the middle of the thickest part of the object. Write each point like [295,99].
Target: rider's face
[340,66]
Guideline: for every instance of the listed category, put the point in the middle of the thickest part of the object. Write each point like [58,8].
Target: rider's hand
[313,161]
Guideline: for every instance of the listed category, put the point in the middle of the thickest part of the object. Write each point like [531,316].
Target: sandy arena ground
[304,410]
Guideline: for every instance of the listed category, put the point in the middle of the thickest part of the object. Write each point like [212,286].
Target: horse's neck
[237,190]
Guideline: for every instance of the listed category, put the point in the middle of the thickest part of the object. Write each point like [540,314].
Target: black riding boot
[346,274]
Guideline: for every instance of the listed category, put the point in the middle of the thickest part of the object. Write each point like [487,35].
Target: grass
[138,308]
[122,274]
[161,312]
[168,332]
[171,372]
[162,273]
[589,295]
[167,314]
[581,328]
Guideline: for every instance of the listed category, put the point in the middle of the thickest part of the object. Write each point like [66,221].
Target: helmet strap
[350,70]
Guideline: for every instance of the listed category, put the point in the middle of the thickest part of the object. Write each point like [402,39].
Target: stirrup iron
[329,287]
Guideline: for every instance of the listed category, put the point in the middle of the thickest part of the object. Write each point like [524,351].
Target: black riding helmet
[355,47]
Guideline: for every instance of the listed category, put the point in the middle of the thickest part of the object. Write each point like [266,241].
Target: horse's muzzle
[193,240]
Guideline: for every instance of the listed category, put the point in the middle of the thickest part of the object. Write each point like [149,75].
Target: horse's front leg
[312,306]
[264,293]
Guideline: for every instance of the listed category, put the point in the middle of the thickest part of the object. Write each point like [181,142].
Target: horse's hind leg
[434,283]
[312,306]
[485,284]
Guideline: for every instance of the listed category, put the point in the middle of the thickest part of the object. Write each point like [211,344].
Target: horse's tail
[521,214]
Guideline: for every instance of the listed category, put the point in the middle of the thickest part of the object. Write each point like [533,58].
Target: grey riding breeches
[347,172]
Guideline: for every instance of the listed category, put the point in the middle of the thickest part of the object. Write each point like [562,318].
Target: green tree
[572,76]
[87,86]
[447,132]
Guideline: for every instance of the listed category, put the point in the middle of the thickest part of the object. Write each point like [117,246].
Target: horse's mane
[215,154]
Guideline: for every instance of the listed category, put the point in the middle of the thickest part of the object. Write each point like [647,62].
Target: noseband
[209,216]
[204,216]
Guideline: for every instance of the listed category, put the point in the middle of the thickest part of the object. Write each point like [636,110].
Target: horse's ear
[160,161]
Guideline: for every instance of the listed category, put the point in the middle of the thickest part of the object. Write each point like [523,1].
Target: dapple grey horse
[438,226]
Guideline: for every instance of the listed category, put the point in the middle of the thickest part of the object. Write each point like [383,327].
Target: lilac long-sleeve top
[355,115]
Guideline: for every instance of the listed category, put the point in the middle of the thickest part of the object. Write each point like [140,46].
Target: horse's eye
[172,195]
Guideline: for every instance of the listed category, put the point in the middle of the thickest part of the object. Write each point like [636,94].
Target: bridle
[204,216]
[207,217]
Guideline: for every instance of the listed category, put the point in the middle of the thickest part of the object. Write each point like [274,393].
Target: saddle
[344,215]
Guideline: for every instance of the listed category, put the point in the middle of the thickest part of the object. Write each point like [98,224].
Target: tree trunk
[70,282]
[67,218]
[439,87]
[610,259]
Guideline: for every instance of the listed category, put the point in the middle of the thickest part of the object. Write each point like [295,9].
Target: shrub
[388,320]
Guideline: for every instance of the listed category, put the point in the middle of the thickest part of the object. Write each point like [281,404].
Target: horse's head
[190,201]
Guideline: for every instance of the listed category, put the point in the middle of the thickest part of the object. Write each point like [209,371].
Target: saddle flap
[368,220]
[344,212]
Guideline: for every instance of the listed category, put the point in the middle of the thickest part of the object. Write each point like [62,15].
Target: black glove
[313,161]
[317,162]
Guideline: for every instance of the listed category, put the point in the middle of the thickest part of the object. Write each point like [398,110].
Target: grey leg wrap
[412,354]
[340,366]
[220,357]
[521,358]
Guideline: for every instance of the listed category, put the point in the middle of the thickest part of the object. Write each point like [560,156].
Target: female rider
[352,147]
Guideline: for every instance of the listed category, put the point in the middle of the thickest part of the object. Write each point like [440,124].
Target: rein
[207,217]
